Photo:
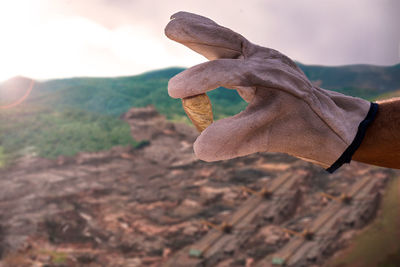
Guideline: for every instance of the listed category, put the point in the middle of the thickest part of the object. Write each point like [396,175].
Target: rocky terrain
[157,205]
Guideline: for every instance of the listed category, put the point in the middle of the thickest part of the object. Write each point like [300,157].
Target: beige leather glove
[286,112]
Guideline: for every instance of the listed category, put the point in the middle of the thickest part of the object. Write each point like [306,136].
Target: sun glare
[19,100]
[41,41]
[16,28]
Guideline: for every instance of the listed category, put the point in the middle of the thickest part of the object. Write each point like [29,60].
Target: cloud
[336,32]
[327,32]
[59,38]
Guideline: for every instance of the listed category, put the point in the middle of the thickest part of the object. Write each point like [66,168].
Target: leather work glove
[285,112]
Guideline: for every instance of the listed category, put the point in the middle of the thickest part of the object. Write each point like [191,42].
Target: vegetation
[389,95]
[48,133]
[114,96]
[65,116]
[364,77]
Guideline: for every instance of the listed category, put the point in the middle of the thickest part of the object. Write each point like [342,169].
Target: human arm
[285,113]
[381,144]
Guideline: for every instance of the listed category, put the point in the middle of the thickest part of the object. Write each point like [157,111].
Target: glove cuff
[351,149]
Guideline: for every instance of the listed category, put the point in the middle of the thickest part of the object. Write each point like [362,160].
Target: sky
[45,39]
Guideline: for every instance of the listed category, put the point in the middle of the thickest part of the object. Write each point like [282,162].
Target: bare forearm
[381,144]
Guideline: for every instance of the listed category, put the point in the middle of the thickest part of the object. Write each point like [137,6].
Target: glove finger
[229,73]
[205,36]
[242,134]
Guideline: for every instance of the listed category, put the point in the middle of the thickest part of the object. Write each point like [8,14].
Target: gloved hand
[286,112]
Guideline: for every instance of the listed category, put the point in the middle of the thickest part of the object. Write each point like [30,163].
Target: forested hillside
[64,116]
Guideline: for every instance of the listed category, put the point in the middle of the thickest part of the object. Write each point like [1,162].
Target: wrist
[355,144]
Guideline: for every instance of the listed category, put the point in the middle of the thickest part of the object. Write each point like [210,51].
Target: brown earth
[140,207]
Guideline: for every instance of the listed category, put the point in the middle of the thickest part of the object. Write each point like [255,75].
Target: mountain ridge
[65,116]
[115,95]
[359,67]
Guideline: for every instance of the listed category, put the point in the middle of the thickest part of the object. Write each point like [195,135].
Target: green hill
[49,133]
[366,81]
[113,96]
[64,116]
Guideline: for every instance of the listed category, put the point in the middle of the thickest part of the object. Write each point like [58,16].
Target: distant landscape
[65,116]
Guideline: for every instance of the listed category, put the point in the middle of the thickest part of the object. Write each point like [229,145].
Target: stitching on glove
[196,43]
